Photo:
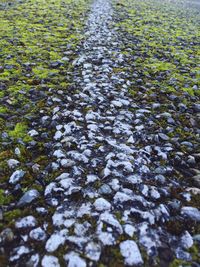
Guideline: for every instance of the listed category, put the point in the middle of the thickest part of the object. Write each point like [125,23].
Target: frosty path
[115,193]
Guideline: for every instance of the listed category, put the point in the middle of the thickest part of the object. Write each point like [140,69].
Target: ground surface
[100,137]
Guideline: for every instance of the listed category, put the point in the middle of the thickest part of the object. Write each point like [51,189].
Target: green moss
[4,199]
[9,216]
[20,131]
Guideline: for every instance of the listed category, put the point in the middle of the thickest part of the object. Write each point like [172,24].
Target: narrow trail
[114,191]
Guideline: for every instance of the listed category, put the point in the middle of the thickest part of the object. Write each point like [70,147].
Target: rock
[93,251]
[26,222]
[111,220]
[33,133]
[18,252]
[37,234]
[196,107]
[129,230]
[91,178]
[74,260]
[196,180]
[191,213]
[28,197]
[67,163]
[131,253]
[6,235]
[12,163]
[163,136]
[193,190]
[105,189]
[50,261]
[33,261]
[102,204]
[17,151]
[16,176]
[186,240]
[160,178]
[56,240]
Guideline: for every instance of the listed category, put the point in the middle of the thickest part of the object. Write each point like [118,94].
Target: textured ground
[99,119]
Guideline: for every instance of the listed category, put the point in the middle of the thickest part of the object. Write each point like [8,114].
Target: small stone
[196,107]
[17,151]
[192,213]
[105,190]
[56,240]
[18,252]
[38,234]
[163,136]
[93,251]
[28,197]
[131,253]
[196,180]
[186,240]
[91,178]
[74,260]
[26,222]
[7,235]
[129,229]
[12,163]
[33,133]
[102,204]
[193,190]
[67,163]
[16,176]
[50,261]
[33,261]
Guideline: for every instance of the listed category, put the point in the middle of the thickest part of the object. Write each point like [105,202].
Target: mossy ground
[34,37]
[162,40]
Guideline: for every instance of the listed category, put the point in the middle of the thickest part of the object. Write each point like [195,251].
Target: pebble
[12,163]
[191,213]
[131,253]
[74,260]
[50,261]
[28,197]
[6,235]
[102,204]
[26,222]
[38,234]
[16,176]
[93,251]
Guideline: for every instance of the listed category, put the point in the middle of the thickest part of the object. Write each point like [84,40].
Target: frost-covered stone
[56,240]
[28,197]
[74,260]
[107,238]
[129,229]
[131,253]
[192,213]
[38,234]
[18,252]
[50,261]
[33,133]
[186,240]
[102,204]
[26,222]
[93,251]
[33,261]
[12,163]
[111,220]
[91,178]
[16,176]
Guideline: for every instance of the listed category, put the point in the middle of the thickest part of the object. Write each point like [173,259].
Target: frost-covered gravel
[110,190]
